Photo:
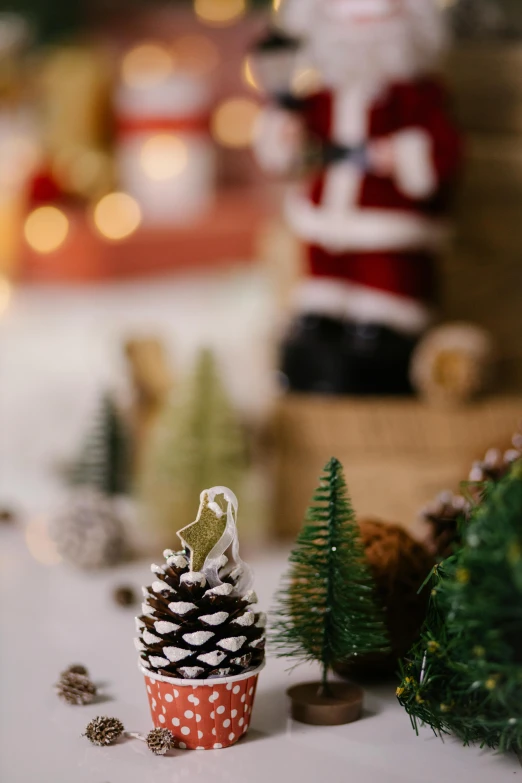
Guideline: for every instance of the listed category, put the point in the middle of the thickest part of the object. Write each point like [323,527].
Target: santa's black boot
[312,355]
[376,360]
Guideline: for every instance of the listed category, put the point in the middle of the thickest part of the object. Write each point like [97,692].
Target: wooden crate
[398,454]
[482,275]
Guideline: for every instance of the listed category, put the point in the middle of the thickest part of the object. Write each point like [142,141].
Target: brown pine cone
[75,668]
[160,741]
[190,631]
[76,688]
[104,731]
[399,566]
[125,596]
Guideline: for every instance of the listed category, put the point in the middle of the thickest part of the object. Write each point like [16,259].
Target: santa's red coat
[378,235]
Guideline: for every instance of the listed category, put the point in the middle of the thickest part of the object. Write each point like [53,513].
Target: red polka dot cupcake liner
[202,714]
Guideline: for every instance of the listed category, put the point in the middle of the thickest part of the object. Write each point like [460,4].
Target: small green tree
[198,442]
[105,460]
[464,677]
[327,610]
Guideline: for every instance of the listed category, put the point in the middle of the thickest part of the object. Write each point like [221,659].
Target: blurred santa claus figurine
[372,214]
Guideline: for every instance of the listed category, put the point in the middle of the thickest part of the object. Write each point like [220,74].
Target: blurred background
[145,264]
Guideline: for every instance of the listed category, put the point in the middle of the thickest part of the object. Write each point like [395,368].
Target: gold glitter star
[202,535]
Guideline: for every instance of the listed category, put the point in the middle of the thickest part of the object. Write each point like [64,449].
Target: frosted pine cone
[188,630]
[495,464]
[443,515]
[90,533]
[76,688]
[104,731]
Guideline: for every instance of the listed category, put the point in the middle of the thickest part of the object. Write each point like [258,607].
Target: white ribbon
[227,545]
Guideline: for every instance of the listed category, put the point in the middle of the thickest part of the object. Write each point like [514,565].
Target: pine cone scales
[104,731]
[160,741]
[188,630]
[76,688]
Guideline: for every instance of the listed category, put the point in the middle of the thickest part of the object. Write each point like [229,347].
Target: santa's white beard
[394,49]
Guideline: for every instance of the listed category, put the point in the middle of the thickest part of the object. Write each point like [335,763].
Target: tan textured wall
[482,274]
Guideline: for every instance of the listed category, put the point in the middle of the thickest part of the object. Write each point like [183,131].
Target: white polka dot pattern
[222,717]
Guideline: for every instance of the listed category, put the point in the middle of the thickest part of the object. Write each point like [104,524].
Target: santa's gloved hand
[381,157]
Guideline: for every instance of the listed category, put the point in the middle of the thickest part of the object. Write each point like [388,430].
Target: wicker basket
[397,454]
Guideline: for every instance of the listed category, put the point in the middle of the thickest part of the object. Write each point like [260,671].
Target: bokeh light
[147,64]
[117,216]
[163,156]
[5,294]
[233,122]
[40,544]
[220,12]
[196,53]
[46,229]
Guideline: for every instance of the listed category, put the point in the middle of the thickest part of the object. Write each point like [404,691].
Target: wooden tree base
[311,707]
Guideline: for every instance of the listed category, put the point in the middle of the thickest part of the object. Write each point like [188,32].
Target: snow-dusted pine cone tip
[446,509]
[496,464]
[191,631]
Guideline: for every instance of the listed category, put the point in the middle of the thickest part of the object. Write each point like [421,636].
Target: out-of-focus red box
[228,233]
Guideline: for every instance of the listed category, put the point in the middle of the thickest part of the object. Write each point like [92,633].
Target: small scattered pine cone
[76,688]
[7,517]
[75,668]
[160,741]
[125,596]
[104,731]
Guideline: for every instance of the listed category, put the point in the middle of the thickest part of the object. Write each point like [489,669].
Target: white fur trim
[341,189]
[415,173]
[321,296]
[362,304]
[361,229]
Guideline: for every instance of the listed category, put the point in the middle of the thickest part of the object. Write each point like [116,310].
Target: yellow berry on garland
[463,576]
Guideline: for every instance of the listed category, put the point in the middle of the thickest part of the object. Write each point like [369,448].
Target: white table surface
[52,616]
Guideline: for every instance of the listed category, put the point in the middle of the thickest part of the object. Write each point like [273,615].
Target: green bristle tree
[198,442]
[464,677]
[327,610]
[105,460]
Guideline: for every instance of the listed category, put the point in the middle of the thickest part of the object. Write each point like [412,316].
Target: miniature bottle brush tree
[326,610]
[464,676]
